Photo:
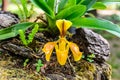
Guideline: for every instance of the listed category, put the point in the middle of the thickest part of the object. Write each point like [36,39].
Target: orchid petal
[62,44]
[75,50]
[48,49]
[61,55]
[63,26]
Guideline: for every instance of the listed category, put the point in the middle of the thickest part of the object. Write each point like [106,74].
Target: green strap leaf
[99,5]
[7,35]
[79,1]
[70,3]
[88,3]
[62,4]
[97,24]
[13,30]
[71,12]
[43,5]
[114,32]
[51,4]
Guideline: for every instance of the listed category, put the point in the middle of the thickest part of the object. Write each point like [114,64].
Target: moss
[85,66]
[93,71]
[85,70]
[9,72]
[107,71]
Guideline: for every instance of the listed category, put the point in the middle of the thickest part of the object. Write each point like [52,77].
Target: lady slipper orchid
[62,45]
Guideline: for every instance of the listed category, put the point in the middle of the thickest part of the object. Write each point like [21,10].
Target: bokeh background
[112,13]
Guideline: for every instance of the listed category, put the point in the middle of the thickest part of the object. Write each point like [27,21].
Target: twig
[41,18]
[73,69]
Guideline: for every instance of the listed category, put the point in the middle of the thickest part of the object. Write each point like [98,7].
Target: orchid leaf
[44,6]
[71,12]
[79,1]
[62,5]
[88,3]
[99,5]
[97,24]
[51,4]
[70,3]
[13,30]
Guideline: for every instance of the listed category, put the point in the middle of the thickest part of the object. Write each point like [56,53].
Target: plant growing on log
[39,65]
[90,57]
[30,36]
[71,10]
[65,11]
[25,62]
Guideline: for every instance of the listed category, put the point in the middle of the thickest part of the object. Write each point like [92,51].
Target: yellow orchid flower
[62,45]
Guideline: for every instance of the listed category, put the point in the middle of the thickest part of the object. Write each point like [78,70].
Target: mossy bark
[85,70]
[93,71]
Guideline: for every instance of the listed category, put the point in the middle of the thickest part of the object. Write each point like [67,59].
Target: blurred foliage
[0,1]
[25,9]
[99,5]
[118,6]
[105,34]
[113,61]
[109,0]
